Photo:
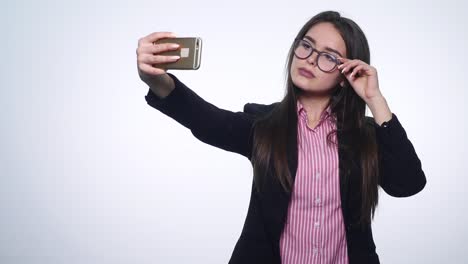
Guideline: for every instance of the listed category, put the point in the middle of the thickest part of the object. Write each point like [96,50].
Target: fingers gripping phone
[189,51]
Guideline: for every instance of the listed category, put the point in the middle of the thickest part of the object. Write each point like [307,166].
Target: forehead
[326,35]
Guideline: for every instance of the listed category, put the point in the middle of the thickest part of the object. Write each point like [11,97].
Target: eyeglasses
[325,61]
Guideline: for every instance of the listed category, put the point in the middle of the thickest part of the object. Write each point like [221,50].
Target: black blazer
[401,173]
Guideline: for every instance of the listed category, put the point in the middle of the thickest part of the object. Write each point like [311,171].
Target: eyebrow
[327,48]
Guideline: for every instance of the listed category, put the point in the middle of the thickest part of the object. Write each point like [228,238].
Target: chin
[302,82]
[309,87]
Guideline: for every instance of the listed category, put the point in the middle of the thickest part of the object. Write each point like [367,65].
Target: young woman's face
[325,36]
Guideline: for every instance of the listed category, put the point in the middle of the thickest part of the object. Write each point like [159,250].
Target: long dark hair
[272,130]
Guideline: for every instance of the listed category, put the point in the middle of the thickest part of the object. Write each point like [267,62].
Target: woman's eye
[330,57]
[304,45]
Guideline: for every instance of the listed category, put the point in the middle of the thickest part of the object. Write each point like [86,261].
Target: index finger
[158,35]
[341,59]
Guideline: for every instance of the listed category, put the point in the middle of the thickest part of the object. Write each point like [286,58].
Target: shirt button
[315,250]
[317,175]
[317,223]
[317,201]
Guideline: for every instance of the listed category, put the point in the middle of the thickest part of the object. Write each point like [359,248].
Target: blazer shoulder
[256,109]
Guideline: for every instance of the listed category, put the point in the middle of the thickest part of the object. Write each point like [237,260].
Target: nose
[312,59]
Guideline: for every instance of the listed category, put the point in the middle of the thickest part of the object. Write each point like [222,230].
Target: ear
[342,84]
[342,80]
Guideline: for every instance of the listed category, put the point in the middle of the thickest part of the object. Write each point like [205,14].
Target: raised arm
[218,127]
[401,174]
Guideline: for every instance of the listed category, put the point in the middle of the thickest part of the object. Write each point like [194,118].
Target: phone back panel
[189,51]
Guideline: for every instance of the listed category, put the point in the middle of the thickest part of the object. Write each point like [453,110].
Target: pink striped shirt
[314,231]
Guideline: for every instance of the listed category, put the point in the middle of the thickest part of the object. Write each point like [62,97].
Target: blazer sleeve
[401,174]
[230,131]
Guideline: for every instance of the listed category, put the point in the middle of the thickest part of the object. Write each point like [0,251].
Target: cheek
[293,63]
[293,67]
[328,79]
[331,78]
[338,77]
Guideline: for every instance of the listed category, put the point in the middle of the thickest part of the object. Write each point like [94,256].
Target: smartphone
[189,51]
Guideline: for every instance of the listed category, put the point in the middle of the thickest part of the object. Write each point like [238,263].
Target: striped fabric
[314,231]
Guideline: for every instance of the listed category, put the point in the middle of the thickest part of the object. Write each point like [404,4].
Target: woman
[317,159]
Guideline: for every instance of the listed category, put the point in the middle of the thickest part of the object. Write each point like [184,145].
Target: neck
[314,105]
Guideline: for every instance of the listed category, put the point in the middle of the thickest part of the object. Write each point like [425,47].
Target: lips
[306,73]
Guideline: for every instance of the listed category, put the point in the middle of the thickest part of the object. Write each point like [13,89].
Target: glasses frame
[297,41]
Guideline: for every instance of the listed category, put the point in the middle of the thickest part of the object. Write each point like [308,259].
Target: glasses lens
[326,62]
[302,49]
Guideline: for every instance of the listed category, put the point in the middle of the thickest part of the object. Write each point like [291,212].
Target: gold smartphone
[189,51]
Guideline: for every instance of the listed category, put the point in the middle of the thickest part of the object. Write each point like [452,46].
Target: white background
[89,173]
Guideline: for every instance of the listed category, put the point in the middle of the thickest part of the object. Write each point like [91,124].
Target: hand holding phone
[160,51]
[189,51]
[148,54]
